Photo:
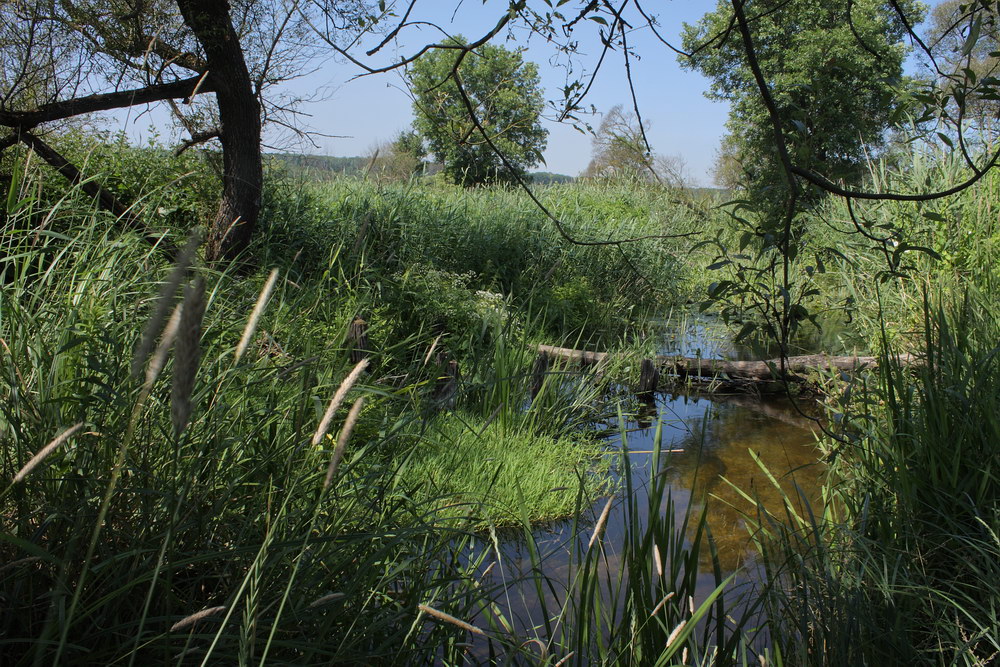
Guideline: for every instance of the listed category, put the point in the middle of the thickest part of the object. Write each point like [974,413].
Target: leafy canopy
[834,69]
[506,96]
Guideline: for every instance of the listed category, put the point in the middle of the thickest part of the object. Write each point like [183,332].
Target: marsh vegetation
[198,507]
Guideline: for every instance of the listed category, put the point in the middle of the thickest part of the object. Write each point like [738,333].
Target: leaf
[970,42]
[747,329]
[719,265]
[904,247]
[946,139]
[598,19]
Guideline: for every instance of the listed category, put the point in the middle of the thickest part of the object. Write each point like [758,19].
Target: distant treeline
[321,166]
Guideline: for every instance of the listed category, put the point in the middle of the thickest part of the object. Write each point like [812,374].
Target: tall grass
[118,543]
[195,504]
[902,566]
[424,248]
[239,492]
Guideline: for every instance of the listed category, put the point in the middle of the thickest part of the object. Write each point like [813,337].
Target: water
[709,444]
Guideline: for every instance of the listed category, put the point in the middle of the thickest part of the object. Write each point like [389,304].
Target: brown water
[708,447]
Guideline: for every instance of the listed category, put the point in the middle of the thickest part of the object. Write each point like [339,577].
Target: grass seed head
[195,617]
[187,354]
[37,459]
[163,303]
[338,398]
[345,435]
[258,310]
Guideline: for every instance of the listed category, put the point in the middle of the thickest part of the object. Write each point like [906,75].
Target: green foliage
[902,564]
[505,94]
[318,167]
[130,527]
[547,178]
[835,96]
[497,472]
[176,192]
[490,241]
[964,39]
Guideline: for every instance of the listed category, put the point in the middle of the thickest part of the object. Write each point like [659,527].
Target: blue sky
[681,121]
[359,113]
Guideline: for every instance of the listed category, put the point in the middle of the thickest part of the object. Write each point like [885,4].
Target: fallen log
[754,371]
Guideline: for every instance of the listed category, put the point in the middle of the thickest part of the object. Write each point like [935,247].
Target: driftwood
[731,374]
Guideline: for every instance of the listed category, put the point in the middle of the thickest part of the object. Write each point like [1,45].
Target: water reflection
[713,445]
[707,443]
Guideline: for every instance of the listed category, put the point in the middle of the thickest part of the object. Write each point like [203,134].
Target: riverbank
[234,487]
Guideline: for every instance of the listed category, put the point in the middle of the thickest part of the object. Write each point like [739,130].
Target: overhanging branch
[104,102]
[104,198]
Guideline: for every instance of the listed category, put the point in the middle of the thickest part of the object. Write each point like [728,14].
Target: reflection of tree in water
[718,446]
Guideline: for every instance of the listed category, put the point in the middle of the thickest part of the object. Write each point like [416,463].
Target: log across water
[733,371]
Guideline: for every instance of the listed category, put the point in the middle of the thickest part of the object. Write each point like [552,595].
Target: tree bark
[239,117]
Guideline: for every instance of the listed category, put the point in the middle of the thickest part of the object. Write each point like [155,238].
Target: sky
[356,114]
[679,119]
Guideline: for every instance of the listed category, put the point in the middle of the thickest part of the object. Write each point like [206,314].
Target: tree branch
[196,139]
[104,198]
[104,102]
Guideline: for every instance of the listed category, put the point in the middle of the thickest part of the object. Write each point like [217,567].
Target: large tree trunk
[239,117]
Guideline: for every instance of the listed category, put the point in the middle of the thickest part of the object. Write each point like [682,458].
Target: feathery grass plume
[675,633]
[330,597]
[187,353]
[258,310]
[599,528]
[159,358]
[345,435]
[338,398]
[659,605]
[163,302]
[657,560]
[45,451]
[195,617]
[448,618]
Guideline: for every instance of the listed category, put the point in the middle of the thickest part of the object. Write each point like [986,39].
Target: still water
[714,449]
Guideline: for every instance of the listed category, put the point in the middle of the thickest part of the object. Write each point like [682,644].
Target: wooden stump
[538,372]
[357,339]
[649,378]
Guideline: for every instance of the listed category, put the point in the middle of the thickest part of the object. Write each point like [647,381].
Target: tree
[398,160]
[620,149]
[963,43]
[834,70]
[505,98]
[70,57]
